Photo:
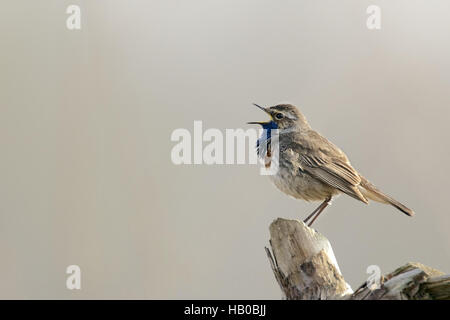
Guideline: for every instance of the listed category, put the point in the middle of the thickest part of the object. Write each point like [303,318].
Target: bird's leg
[320,209]
[316,212]
[313,213]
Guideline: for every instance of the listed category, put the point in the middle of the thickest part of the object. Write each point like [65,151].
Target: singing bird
[310,167]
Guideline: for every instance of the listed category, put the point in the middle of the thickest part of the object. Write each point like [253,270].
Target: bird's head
[283,116]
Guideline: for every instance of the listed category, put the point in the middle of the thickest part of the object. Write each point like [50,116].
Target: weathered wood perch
[305,267]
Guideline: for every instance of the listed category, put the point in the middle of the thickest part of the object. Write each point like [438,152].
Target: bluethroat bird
[311,167]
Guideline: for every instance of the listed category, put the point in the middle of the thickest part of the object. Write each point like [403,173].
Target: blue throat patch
[267,132]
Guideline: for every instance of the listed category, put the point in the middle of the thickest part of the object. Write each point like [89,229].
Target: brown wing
[326,162]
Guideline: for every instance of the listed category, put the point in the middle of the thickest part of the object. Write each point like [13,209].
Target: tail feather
[372,193]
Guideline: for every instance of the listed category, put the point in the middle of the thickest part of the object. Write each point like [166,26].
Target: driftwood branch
[305,267]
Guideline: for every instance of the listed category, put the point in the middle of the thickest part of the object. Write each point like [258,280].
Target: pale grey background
[86,118]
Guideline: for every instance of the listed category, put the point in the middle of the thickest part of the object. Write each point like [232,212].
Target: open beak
[261,122]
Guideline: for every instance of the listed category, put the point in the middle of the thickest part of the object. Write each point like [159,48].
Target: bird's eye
[279,116]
